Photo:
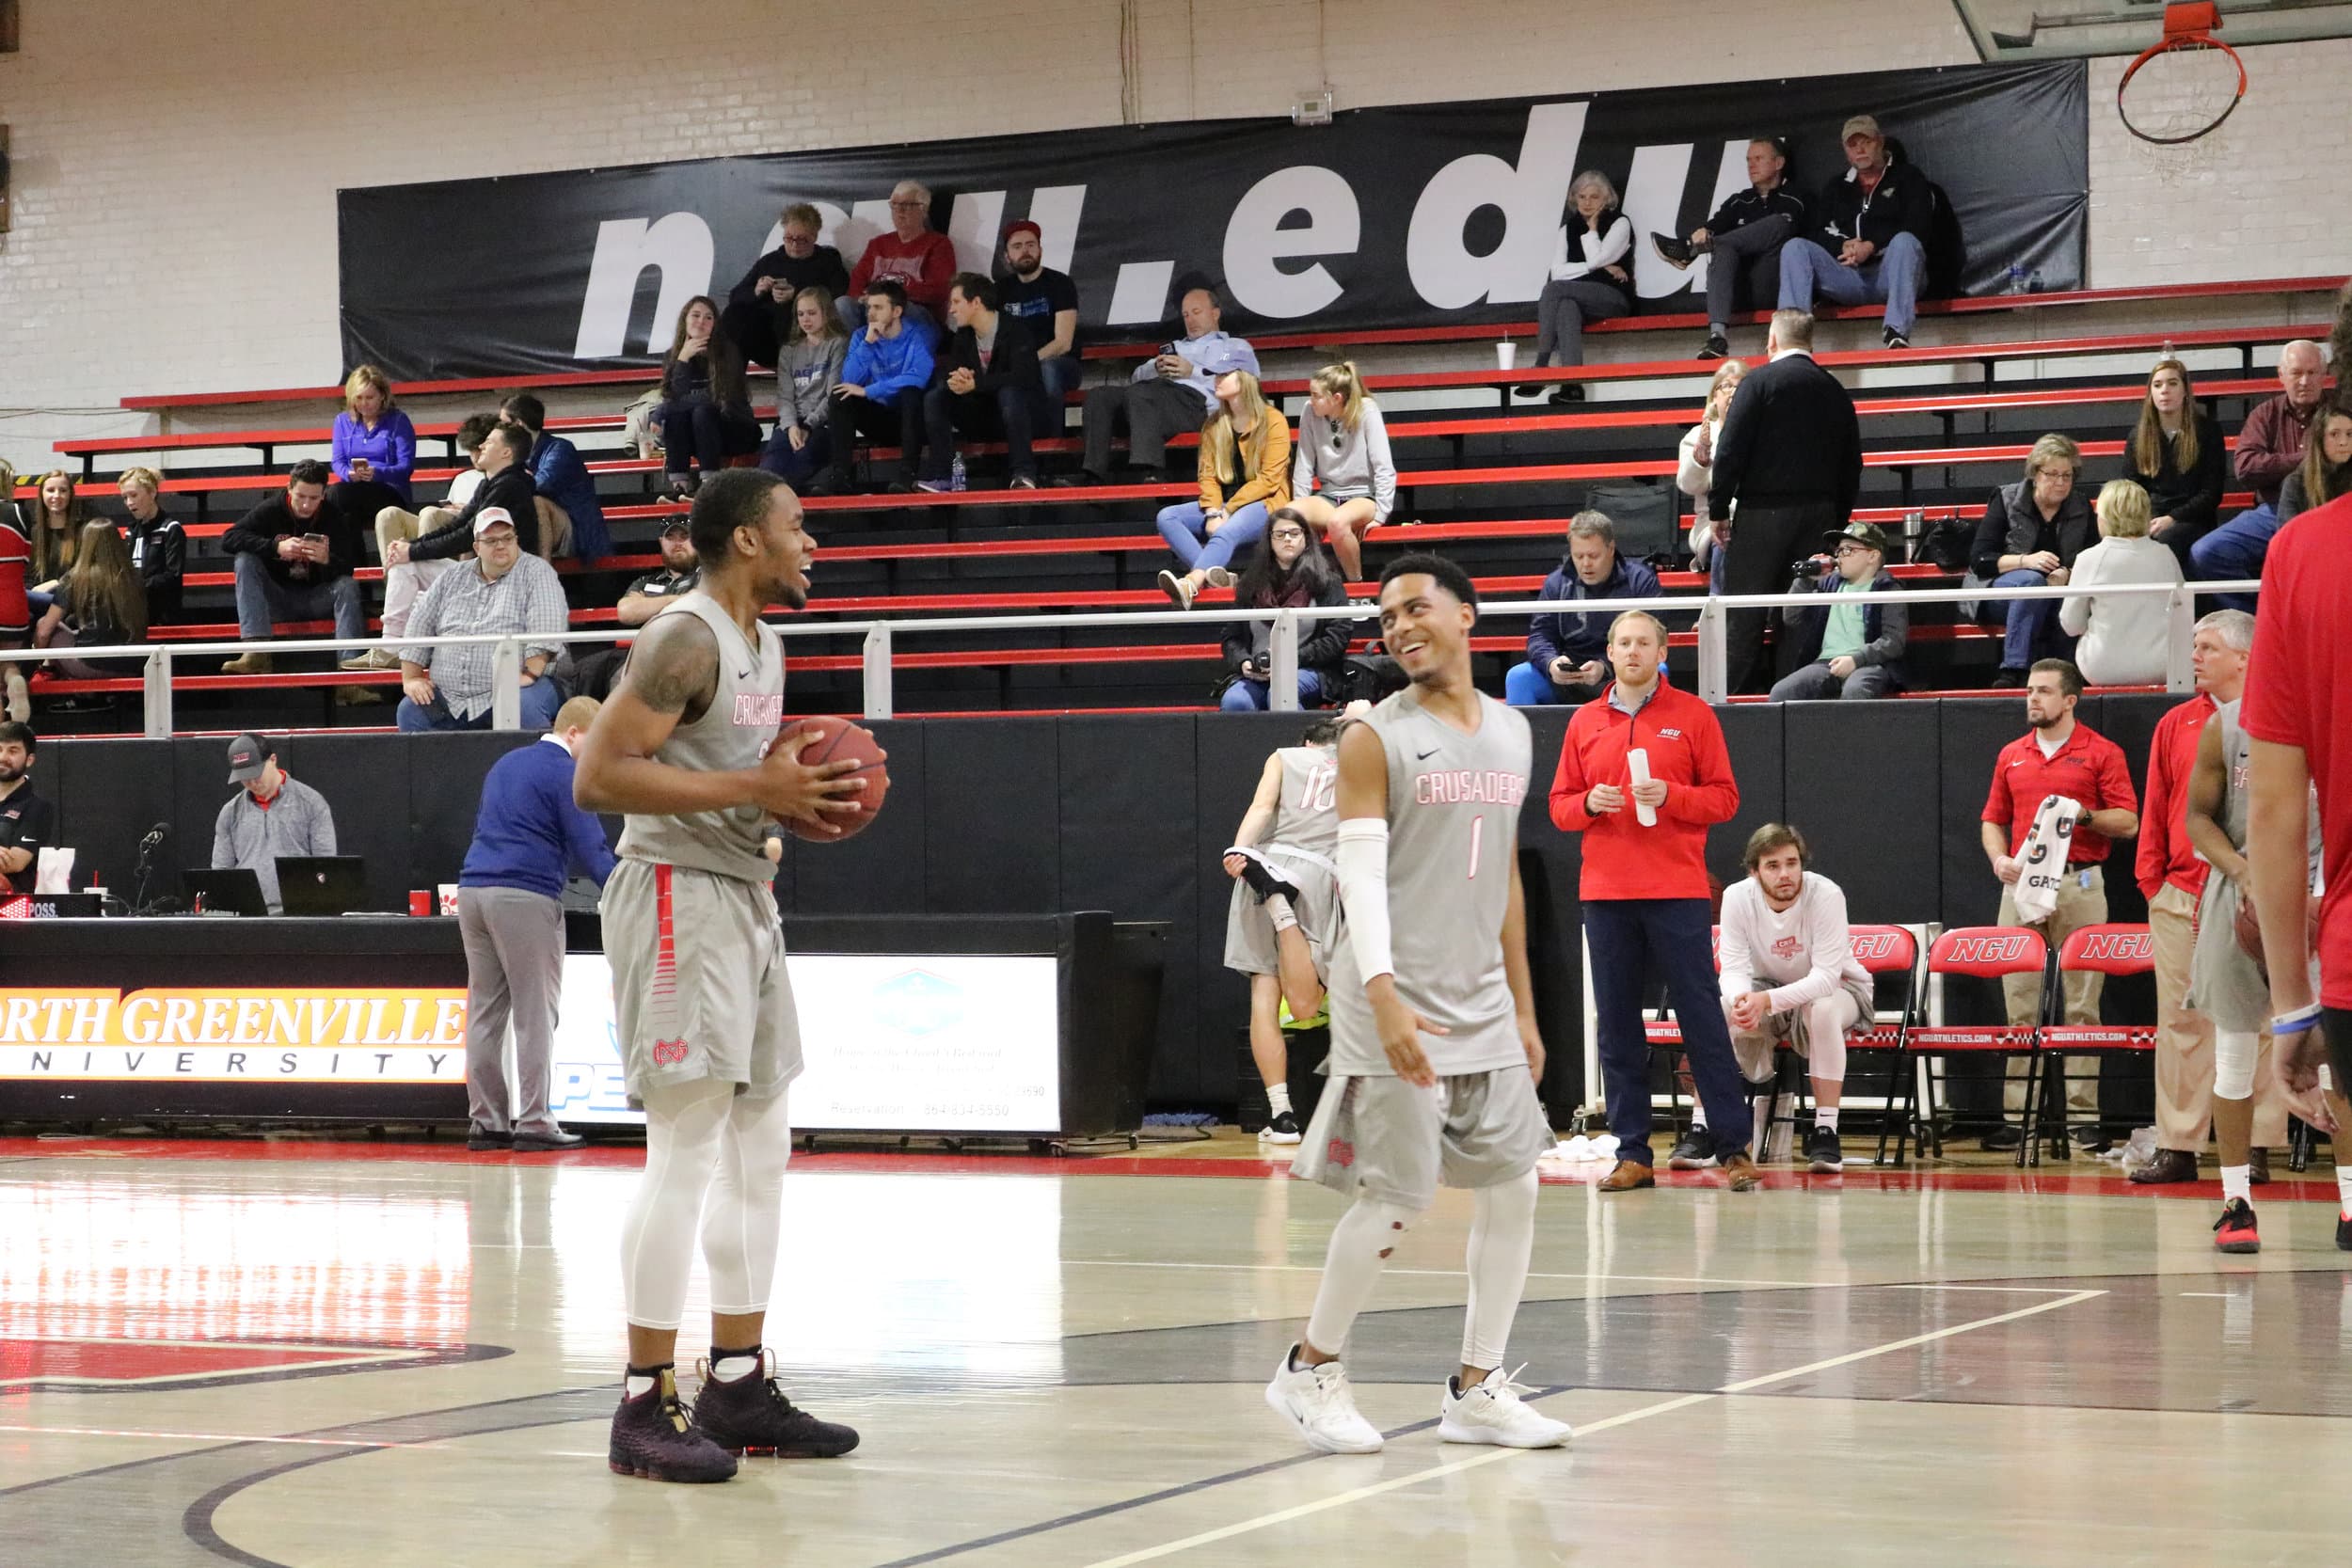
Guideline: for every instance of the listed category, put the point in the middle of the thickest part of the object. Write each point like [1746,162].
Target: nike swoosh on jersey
[1424,757]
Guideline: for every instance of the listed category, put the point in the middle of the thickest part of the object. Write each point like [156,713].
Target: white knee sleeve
[682,1123]
[1825,1024]
[2235,1052]
[1501,1238]
[743,1220]
[1361,1243]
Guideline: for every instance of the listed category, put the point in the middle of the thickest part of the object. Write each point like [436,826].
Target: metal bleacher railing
[878,638]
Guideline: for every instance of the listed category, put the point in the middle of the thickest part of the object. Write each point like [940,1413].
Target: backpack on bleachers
[1947,247]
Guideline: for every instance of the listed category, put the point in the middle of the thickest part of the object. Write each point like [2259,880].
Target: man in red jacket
[1645,891]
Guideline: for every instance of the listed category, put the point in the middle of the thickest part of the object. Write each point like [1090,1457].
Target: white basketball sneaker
[1317,1401]
[1492,1412]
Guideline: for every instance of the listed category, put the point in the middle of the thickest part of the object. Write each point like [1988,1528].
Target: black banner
[1386,217]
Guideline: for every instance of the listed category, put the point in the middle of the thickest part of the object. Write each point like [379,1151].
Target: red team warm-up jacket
[1623,859]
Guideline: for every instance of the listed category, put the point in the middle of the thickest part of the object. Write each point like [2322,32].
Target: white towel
[2043,865]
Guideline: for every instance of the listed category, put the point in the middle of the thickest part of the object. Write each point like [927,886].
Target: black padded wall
[1039,814]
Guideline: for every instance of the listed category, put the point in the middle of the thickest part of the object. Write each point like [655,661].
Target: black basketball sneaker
[653,1438]
[751,1415]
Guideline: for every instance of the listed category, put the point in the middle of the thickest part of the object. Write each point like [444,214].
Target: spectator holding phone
[296,553]
[375,450]
[762,308]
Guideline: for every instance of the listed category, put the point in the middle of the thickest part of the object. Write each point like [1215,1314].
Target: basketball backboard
[2048,29]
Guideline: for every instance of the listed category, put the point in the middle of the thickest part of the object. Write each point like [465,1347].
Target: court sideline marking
[1339,1499]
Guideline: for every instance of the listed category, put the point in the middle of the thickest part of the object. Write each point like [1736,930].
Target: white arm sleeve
[1734,978]
[1362,858]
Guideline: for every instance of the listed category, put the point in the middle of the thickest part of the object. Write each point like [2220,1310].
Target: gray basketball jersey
[736,732]
[2237,763]
[1453,814]
[1308,816]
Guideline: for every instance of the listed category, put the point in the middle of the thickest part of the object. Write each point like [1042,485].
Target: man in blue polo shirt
[527,836]
[1566,655]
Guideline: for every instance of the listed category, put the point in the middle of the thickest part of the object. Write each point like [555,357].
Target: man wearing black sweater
[1871,245]
[1790,459]
[295,554]
[987,379]
[1745,238]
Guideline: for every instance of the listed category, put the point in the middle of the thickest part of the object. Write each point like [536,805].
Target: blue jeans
[797,466]
[540,701]
[1891,278]
[2235,549]
[1183,527]
[1247,696]
[1524,685]
[1635,943]
[262,600]
[2031,622]
[1050,408]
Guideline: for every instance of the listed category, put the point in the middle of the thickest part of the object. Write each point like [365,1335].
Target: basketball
[837,739]
[2249,932]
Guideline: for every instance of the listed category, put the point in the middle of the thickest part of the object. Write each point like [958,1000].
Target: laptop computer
[321,884]
[229,890]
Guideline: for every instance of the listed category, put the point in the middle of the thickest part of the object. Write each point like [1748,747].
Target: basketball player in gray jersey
[2228,986]
[1435,1051]
[1286,901]
[690,746]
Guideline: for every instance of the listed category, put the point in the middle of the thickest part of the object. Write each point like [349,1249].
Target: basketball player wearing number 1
[689,747]
[1435,1051]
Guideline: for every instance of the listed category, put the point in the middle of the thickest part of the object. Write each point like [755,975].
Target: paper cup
[1506,355]
[420,901]
[448,898]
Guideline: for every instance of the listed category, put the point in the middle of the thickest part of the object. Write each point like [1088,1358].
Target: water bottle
[957,478]
[2033,283]
[2017,277]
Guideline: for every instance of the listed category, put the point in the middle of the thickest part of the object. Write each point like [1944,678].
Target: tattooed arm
[671,674]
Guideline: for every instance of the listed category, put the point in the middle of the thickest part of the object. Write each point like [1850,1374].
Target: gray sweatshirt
[296,823]
[805,380]
[1350,463]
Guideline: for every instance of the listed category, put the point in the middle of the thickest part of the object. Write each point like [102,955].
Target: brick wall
[176,165]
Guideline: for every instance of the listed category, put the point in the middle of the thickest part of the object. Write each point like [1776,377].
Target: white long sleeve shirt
[1798,955]
[2123,635]
[1587,253]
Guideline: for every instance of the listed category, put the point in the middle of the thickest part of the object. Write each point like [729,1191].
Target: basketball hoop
[2184,86]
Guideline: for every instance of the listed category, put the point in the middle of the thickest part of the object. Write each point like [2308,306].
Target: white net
[2177,97]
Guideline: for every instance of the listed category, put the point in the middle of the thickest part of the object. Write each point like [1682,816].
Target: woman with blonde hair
[159,546]
[1245,472]
[375,451]
[2175,453]
[101,603]
[2123,635]
[1343,480]
[807,368]
[1694,471]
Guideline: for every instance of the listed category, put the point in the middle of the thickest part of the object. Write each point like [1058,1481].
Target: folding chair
[1880,950]
[2113,949]
[1984,953]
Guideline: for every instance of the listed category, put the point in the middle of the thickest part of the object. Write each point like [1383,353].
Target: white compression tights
[1501,1238]
[714,1162]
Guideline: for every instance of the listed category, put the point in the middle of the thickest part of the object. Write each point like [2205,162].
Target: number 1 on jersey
[1478,837]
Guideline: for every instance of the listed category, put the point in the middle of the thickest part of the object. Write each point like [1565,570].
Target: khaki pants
[2184,1042]
[2077,906]
[556,531]
[404,585]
